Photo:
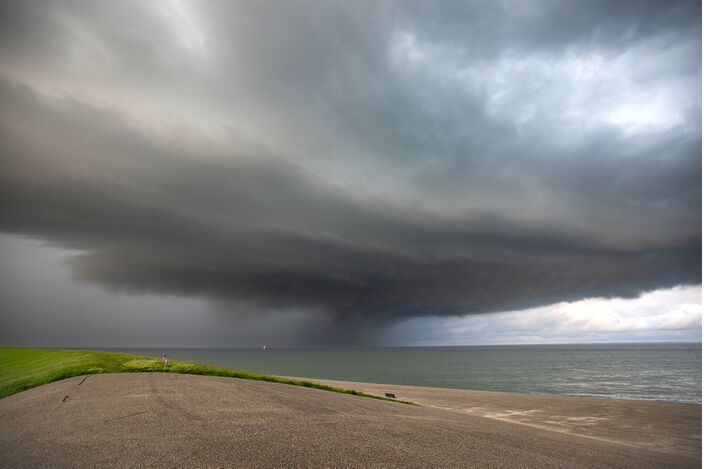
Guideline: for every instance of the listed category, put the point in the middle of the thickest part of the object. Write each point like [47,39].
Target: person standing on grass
[165,360]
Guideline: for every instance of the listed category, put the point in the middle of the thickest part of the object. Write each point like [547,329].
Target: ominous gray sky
[311,173]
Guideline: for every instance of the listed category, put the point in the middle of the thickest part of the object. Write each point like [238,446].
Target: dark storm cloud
[363,163]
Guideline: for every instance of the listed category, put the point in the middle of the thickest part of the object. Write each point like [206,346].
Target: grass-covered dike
[22,369]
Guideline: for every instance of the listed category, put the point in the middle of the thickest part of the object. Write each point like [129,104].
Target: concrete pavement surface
[666,426]
[172,420]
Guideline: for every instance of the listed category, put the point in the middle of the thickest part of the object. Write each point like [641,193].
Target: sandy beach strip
[175,420]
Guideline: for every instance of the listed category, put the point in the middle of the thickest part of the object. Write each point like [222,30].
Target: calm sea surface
[667,372]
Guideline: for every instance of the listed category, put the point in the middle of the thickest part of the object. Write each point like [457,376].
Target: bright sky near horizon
[329,173]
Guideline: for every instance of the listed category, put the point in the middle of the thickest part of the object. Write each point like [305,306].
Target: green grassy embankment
[22,369]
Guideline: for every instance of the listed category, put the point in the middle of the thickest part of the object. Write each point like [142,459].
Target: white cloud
[670,314]
[180,15]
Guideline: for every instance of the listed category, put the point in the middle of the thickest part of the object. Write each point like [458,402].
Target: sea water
[654,371]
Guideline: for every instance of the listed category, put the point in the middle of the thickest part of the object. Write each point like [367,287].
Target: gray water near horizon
[654,371]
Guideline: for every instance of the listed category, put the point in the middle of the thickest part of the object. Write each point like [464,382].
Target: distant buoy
[264,348]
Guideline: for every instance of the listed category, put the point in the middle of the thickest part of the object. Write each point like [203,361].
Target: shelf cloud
[364,164]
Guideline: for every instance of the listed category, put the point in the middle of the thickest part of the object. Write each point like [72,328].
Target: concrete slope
[667,427]
[171,420]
